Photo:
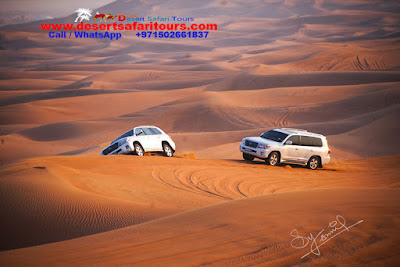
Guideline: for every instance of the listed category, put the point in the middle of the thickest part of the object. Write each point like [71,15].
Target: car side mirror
[288,142]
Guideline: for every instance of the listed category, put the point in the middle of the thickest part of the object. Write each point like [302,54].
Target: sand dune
[70,213]
[216,113]
[149,79]
[32,97]
[223,112]
[296,95]
[375,55]
[28,84]
[78,196]
[373,134]
[42,75]
[59,107]
[251,82]
[57,131]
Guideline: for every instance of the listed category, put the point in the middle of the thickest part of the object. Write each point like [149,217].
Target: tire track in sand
[232,184]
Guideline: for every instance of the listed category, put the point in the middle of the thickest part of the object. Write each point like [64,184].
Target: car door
[157,136]
[151,141]
[142,138]
[307,149]
[316,147]
[292,152]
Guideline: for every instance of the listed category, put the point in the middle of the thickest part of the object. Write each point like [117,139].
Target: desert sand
[183,211]
[331,67]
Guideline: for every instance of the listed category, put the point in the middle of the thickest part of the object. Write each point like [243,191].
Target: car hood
[260,140]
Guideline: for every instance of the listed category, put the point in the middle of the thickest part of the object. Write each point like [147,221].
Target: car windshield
[274,136]
[128,133]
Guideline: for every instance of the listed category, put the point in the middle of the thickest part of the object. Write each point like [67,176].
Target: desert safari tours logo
[148,27]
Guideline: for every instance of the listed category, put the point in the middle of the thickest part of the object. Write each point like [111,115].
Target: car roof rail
[294,129]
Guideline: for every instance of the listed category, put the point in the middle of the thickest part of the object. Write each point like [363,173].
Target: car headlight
[262,146]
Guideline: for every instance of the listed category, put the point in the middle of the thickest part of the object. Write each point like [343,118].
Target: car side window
[316,141]
[139,131]
[147,131]
[306,141]
[155,131]
[295,140]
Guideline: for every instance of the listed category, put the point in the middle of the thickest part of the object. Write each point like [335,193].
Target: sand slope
[248,222]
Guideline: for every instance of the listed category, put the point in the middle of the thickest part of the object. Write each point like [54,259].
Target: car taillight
[329,152]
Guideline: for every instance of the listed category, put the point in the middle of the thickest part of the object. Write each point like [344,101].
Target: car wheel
[168,152]
[313,163]
[139,150]
[248,157]
[273,159]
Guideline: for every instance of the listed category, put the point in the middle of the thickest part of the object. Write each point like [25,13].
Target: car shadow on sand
[281,165]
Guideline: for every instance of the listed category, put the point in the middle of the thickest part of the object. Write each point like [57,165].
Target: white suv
[141,139]
[288,145]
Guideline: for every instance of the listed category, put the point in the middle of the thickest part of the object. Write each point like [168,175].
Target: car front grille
[251,144]
[110,149]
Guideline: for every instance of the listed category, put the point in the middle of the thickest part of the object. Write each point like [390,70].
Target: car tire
[273,159]
[248,157]
[167,150]
[313,163]
[139,150]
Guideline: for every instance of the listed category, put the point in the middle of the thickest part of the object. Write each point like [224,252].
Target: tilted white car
[287,145]
[142,139]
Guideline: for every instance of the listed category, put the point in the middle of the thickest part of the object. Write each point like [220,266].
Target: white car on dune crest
[142,139]
[287,145]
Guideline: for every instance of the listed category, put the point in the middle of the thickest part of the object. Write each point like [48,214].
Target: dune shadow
[76,151]
[39,167]
[28,98]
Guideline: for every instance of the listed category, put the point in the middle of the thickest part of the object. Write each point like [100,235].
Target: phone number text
[172,34]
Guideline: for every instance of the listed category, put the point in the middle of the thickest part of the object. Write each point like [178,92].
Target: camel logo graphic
[83,14]
[103,16]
